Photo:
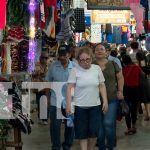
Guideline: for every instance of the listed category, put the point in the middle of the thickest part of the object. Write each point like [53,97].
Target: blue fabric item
[124,38]
[107,132]
[144,3]
[117,35]
[103,34]
[109,37]
[56,73]
[87,20]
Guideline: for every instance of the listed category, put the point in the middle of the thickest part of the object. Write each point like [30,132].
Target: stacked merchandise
[13,111]
[19,55]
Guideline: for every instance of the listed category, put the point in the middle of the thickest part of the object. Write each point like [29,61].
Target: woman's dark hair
[113,53]
[134,45]
[140,55]
[126,59]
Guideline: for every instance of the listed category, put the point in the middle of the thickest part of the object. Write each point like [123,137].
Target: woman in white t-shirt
[88,81]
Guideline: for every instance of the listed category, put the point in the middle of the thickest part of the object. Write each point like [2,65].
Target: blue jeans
[55,132]
[107,133]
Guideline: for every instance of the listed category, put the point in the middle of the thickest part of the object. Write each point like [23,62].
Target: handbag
[124,107]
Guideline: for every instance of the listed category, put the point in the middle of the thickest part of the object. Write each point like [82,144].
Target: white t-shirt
[87,81]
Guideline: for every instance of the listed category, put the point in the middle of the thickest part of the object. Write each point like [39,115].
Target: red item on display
[2,14]
[50,3]
[148,25]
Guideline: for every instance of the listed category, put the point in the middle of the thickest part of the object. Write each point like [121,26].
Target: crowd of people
[98,77]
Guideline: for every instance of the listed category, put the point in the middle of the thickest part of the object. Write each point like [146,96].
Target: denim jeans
[55,132]
[107,133]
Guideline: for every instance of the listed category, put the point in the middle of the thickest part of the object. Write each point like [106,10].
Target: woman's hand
[68,109]
[120,95]
[105,107]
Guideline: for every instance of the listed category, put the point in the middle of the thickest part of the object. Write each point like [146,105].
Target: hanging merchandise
[1,36]
[17,12]
[124,34]
[16,33]
[144,3]
[138,14]
[19,56]
[95,33]
[65,33]
[2,14]
[79,20]
[116,35]
[147,44]
[50,24]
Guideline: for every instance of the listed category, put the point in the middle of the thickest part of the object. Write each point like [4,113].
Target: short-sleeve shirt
[57,73]
[87,81]
[110,79]
[110,71]
[132,75]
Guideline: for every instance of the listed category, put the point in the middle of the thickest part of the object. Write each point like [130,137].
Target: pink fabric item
[139,16]
[128,2]
[2,14]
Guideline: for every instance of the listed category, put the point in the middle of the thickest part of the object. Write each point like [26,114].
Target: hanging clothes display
[124,34]
[108,31]
[117,35]
[65,33]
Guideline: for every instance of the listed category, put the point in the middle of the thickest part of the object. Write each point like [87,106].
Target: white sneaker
[45,122]
[42,122]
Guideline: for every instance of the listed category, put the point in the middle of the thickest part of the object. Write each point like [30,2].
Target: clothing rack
[17,143]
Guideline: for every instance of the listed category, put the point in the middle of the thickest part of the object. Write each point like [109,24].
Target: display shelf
[17,143]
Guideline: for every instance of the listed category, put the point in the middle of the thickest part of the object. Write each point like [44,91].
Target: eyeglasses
[85,60]
[100,49]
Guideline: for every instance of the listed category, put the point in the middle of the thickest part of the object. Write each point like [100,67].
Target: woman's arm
[103,93]
[69,97]
[120,82]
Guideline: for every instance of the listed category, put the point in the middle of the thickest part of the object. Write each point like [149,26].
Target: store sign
[2,14]
[107,5]
[111,16]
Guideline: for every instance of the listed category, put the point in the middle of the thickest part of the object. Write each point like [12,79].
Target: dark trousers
[132,98]
[55,132]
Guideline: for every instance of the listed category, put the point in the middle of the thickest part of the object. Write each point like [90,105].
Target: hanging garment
[144,3]
[124,37]
[128,2]
[109,37]
[108,28]
[117,35]
[52,3]
[65,32]
[50,24]
[138,14]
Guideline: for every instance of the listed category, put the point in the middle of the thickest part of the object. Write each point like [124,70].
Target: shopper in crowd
[122,52]
[114,85]
[38,75]
[145,87]
[87,81]
[134,49]
[112,55]
[132,73]
[59,72]
[74,51]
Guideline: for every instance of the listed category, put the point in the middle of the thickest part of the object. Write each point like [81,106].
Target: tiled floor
[39,139]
